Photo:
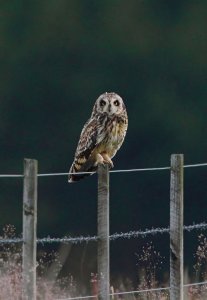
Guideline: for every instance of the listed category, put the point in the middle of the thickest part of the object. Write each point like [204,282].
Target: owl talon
[109,163]
[107,160]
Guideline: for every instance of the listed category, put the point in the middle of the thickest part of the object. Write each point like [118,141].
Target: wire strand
[112,171]
[195,165]
[10,176]
[137,291]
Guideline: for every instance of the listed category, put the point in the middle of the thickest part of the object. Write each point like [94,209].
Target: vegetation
[50,285]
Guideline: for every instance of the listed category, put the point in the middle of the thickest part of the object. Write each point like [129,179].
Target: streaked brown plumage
[102,135]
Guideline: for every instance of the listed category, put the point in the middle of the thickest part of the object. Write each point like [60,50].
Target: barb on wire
[202,225]
[65,240]
[113,237]
[11,241]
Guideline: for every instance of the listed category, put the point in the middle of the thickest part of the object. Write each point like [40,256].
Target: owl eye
[102,103]
[116,103]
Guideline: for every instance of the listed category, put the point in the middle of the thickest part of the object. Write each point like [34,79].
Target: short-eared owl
[102,135]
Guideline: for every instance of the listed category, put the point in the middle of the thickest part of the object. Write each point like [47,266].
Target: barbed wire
[111,171]
[113,237]
[122,235]
[137,291]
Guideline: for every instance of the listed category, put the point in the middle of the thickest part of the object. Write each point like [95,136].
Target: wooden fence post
[176,227]
[29,229]
[103,233]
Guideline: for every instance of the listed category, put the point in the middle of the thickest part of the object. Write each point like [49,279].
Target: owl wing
[88,137]
[86,144]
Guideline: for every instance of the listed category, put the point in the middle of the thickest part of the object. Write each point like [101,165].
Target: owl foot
[110,164]
[107,160]
[104,159]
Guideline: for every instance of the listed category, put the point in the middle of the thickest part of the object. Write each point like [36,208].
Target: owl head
[109,103]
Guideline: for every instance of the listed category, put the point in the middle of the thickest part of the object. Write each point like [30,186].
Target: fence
[29,239]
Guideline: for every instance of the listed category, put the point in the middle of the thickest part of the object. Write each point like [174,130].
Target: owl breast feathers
[101,137]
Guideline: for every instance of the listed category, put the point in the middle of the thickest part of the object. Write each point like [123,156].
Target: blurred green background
[56,58]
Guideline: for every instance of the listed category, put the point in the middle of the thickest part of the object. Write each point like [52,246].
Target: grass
[50,286]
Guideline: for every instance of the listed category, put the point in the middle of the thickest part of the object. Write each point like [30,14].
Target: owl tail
[87,167]
[75,178]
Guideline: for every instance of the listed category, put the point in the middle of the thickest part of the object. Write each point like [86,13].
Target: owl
[101,137]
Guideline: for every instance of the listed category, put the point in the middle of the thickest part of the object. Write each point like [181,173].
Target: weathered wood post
[103,233]
[29,229]
[176,227]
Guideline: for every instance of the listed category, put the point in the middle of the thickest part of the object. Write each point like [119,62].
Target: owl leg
[107,159]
